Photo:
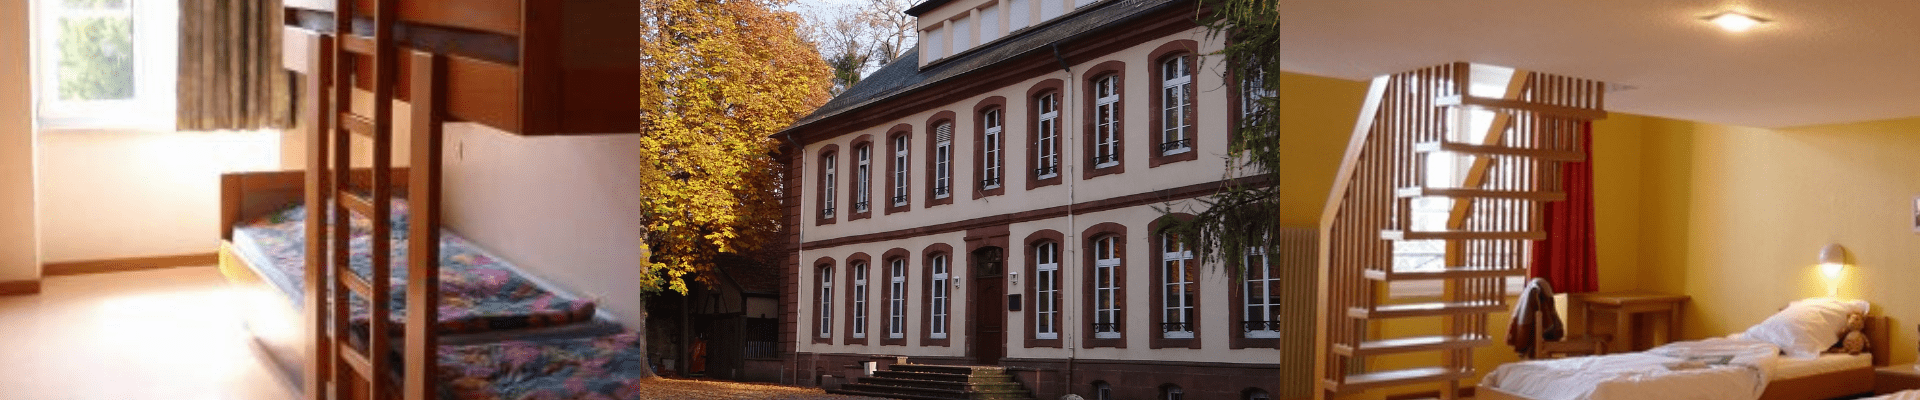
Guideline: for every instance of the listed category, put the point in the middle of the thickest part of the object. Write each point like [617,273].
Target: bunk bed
[525,67]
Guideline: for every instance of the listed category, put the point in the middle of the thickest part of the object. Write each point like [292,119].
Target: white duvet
[1646,375]
[1901,395]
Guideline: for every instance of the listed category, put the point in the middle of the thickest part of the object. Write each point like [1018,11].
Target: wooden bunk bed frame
[1830,385]
[526,67]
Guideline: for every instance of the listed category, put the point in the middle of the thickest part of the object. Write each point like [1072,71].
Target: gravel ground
[678,389]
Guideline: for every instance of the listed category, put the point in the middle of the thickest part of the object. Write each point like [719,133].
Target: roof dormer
[951,27]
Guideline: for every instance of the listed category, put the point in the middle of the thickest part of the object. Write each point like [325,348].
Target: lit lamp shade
[1832,259]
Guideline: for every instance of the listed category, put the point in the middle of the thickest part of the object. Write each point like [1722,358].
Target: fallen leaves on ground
[682,389]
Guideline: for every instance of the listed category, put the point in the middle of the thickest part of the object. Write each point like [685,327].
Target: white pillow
[1807,327]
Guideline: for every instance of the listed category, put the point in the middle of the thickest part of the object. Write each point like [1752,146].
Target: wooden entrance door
[987,334]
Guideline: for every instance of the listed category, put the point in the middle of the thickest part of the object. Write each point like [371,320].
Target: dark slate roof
[904,76]
[754,273]
[926,6]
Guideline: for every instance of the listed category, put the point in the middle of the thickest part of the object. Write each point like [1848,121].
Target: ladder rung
[1424,310]
[1412,345]
[357,204]
[353,282]
[1382,379]
[1516,105]
[1443,273]
[356,44]
[1460,235]
[1479,193]
[1465,148]
[355,359]
[357,124]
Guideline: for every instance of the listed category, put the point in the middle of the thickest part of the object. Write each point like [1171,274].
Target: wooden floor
[155,334]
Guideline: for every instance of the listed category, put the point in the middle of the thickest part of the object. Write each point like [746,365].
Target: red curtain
[1566,258]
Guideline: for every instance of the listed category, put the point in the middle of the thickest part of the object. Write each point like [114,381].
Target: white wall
[19,246]
[566,209]
[109,194]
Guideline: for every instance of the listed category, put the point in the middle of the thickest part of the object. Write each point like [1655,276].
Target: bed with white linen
[1752,365]
[1900,395]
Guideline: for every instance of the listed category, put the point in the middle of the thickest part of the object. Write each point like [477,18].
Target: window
[962,34]
[1046,283]
[859,329]
[931,41]
[900,175]
[1252,90]
[1047,142]
[989,23]
[1172,392]
[1106,294]
[1017,13]
[827,185]
[106,62]
[1102,391]
[991,148]
[1261,297]
[1176,105]
[1106,122]
[863,177]
[1257,394]
[942,160]
[1051,8]
[897,298]
[1177,288]
[938,324]
[826,302]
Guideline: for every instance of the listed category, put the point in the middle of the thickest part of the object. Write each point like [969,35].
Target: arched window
[1106,287]
[863,177]
[1106,121]
[1260,295]
[900,157]
[1046,145]
[897,298]
[1046,286]
[829,179]
[1102,391]
[826,301]
[990,148]
[1176,105]
[1172,392]
[859,329]
[1178,288]
[937,324]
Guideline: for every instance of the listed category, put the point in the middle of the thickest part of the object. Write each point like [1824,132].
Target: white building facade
[991,198]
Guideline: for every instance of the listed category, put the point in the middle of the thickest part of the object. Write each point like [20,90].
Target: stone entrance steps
[938,382]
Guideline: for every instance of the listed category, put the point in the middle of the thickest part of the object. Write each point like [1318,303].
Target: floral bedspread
[606,367]
[477,292]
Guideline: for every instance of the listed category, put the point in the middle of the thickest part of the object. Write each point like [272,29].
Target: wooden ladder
[1457,159]
[340,369]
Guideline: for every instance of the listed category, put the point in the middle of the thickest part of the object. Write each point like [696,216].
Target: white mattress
[1789,367]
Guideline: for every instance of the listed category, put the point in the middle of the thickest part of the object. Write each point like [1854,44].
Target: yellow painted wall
[1737,217]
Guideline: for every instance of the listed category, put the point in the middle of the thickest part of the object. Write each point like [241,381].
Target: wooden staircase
[1442,186]
[939,382]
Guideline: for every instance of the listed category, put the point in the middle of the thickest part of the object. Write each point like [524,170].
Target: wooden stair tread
[1424,310]
[1517,105]
[1413,345]
[354,283]
[1475,149]
[1460,235]
[1381,379]
[357,124]
[1421,191]
[356,44]
[1442,273]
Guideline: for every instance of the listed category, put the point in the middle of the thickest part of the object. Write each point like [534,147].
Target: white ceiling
[1818,62]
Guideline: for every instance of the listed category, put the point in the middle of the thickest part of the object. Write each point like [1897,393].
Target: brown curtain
[230,75]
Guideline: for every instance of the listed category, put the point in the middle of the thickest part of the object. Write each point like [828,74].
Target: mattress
[607,367]
[1790,368]
[483,297]
[1709,369]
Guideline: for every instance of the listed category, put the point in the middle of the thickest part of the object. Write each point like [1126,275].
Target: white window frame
[943,160]
[991,155]
[1046,295]
[1107,308]
[1106,121]
[826,302]
[155,33]
[863,181]
[897,299]
[1048,144]
[859,300]
[1176,88]
[937,327]
[1102,391]
[827,185]
[901,171]
[1175,393]
[1259,308]
[1252,90]
[1175,257]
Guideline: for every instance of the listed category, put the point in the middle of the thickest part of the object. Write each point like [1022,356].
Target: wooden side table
[1896,378]
[1623,306]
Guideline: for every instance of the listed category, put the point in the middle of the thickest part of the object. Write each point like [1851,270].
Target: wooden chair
[1566,346]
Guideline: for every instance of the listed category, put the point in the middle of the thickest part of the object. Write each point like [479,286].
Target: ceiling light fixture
[1734,21]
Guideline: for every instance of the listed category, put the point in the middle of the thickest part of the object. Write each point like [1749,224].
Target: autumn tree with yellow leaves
[718,78]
